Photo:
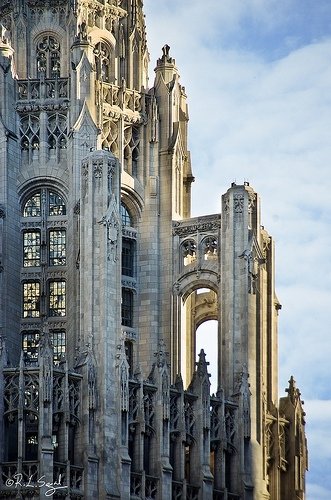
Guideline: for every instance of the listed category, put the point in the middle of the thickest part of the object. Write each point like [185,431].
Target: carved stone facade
[105,279]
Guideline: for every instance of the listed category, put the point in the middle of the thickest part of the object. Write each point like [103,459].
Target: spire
[202,364]
[293,392]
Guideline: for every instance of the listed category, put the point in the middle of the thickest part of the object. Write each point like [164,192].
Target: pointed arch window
[102,54]
[48,57]
[189,252]
[32,207]
[210,248]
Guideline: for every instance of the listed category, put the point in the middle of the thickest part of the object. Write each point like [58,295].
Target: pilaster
[100,240]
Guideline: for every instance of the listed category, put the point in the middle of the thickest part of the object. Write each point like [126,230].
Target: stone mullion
[43,140]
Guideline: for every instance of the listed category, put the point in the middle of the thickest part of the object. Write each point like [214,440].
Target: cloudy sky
[258,78]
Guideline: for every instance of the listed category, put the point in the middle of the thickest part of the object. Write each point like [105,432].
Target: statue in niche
[112,226]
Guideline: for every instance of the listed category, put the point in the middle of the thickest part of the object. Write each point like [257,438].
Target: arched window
[103,61]
[126,217]
[189,252]
[210,248]
[48,57]
[44,269]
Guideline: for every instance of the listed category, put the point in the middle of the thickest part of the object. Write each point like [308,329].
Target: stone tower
[105,279]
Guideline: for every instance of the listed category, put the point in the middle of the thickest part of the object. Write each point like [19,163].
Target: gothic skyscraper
[105,279]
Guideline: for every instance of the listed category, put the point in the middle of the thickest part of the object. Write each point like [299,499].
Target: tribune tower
[105,279]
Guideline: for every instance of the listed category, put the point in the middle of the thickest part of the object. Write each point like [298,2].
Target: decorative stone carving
[123,368]
[238,203]
[97,169]
[91,380]
[113,227]
[198,224]
[46,359]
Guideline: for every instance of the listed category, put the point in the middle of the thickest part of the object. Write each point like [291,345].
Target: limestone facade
[105,278]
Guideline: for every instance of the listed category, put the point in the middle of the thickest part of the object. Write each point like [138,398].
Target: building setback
[105,278]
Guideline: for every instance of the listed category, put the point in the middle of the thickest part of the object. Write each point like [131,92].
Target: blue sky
[258,77]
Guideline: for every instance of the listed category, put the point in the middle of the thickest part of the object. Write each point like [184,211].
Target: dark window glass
[127,307]
[57,298]
[31,446]
[59,344]
[31,248]
[127,257]
[32,207]
[31,299]
[48,57]
[30,346]
[126,218]
[57,247]
[56,204]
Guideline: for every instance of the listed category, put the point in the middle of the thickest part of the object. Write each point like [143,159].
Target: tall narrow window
[103,61]
[31,249]
[48,57]
[44,270]
[31,299]
[30,346]
[57,247]
[127,257]
[59,344]
[127,307]
[57,298]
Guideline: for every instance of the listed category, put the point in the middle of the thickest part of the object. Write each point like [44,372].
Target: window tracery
[57,132]
[30,133]
[48,57]
[189,252]
[210,248]
[103,61]
[32,207]
[110,136]
[131,149]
